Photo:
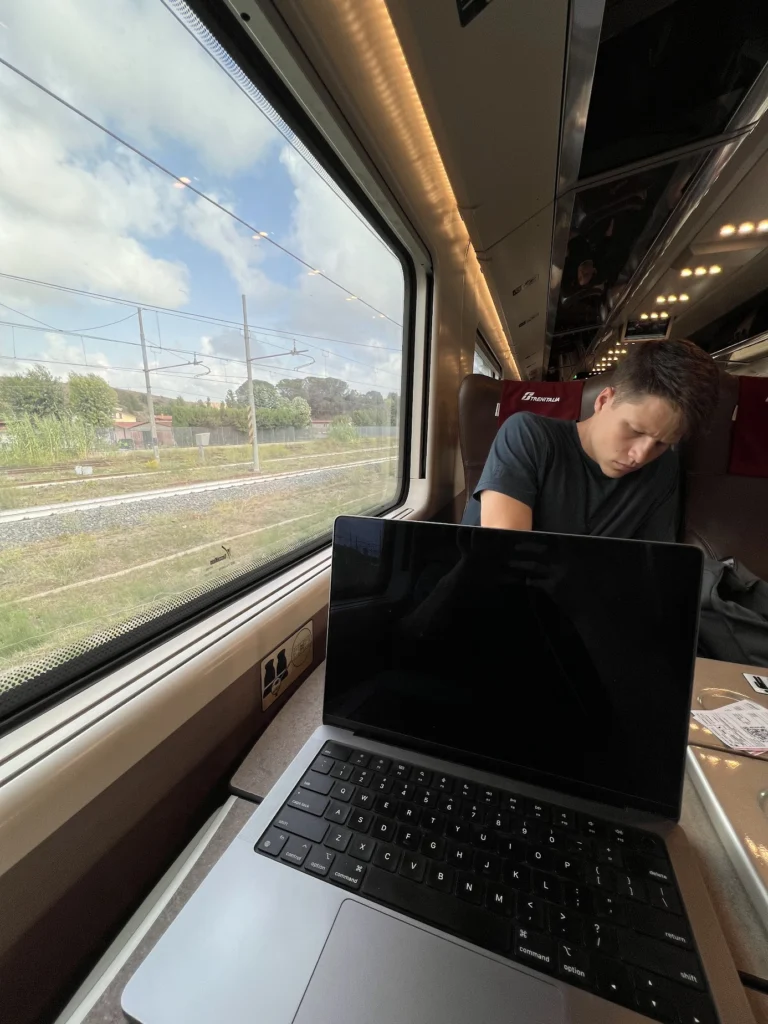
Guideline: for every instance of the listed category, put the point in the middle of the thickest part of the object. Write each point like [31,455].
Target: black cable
[189,352]
[59,330]
[216,321]
[750,981]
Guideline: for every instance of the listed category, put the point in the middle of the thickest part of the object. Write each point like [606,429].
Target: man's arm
[509,484]
[504,513]
[663,523]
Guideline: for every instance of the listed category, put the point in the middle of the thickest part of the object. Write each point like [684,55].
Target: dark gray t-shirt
[541,462]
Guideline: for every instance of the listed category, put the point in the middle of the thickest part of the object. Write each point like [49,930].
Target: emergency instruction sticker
[741,726]
[283,666]
[759,683]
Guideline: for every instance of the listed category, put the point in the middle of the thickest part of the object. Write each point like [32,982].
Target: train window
[667,77]
[167,235]
[483,361]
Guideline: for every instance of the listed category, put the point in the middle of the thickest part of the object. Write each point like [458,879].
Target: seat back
[725,515]
[479,397]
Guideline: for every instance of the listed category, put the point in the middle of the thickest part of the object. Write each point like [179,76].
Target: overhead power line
[183,351]
[187,184]
[70,330]
[194,376]
[199,317]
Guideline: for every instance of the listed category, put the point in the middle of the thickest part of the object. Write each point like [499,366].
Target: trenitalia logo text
[530,397]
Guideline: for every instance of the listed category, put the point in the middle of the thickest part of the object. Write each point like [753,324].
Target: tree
[394,408]
[131,401]
[327,397]
[91,399]
[34,393]
[265,395]
[302,414]
[230,401]
[290,389]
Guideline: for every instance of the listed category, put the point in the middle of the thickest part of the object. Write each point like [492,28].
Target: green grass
[228,463]
[33,625]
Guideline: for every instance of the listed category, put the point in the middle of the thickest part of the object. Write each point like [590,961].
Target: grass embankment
[53,592]
[181,467]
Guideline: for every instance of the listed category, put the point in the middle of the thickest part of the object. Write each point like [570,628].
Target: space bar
[442,911]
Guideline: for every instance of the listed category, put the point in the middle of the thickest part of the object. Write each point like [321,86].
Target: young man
[614,474]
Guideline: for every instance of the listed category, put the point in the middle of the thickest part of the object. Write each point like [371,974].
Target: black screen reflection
[555,658]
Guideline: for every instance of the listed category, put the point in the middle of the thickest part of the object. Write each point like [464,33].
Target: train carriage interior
[264,263]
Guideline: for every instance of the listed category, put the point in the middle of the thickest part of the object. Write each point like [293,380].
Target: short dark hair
[679,371]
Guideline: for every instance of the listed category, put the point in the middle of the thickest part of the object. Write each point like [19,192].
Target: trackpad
[376,969]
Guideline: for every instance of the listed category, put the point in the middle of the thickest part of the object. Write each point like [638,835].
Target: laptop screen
[559,660]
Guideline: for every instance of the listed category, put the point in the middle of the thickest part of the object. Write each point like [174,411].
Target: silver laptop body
[266,940]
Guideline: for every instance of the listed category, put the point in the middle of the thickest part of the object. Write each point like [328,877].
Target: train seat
[725,514]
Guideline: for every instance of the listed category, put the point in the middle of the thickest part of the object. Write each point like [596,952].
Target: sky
[81,210]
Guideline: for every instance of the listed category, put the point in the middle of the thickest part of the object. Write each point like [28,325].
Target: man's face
[625,436]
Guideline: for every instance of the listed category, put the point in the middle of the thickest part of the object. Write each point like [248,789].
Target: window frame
[486,353]
[61,682]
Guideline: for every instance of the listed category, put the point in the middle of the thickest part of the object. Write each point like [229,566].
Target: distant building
[129,428]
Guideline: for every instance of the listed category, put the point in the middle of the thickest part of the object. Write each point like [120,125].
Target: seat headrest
[749,436]
[709,453]
[559,400]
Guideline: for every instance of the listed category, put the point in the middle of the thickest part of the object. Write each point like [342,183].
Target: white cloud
[79,210]
[239,251]
[131,64]
[331,237]
[76,225]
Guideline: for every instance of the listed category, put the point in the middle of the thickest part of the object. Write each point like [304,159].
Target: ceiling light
[654,316]
[700,271]
[664,316]
[672,298]
[727,229]
[661,298]
[683,297]
[610,351]
[623,351]
[643,316]
[763,225]
[686,272]
[715,269]
[746,228]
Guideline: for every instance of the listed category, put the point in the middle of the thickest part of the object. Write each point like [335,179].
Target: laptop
[483,831]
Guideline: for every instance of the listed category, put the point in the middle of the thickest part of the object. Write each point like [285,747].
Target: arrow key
[656,1007]
[613,980]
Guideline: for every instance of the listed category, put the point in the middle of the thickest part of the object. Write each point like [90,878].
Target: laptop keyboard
[585,900]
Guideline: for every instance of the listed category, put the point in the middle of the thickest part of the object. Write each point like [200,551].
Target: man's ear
[605,396]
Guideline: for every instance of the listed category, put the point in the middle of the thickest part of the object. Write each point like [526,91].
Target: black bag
[734,614]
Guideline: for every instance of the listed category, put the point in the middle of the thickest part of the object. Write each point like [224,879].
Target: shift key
[314,803]
[301,824]
[660,958]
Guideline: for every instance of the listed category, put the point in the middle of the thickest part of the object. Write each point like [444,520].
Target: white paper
[742,725]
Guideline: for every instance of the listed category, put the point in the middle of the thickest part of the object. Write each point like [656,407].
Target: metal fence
[184,437]
[377,431]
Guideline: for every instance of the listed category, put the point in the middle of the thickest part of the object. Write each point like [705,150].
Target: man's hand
[504,513]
